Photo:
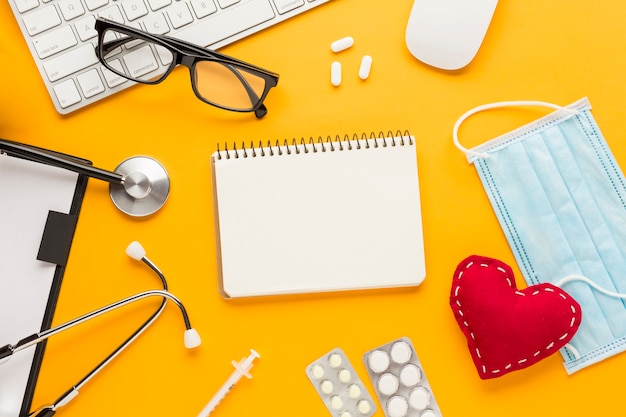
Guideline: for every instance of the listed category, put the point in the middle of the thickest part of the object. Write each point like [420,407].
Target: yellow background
[556,51]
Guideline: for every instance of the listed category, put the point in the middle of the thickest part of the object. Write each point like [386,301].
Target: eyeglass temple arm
[51,158]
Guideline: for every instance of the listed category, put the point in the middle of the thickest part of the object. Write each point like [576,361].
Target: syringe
[241,368]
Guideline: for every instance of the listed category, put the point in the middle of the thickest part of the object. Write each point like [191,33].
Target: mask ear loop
[582,278]
[469,113]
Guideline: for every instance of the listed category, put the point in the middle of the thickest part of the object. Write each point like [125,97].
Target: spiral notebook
[318,215]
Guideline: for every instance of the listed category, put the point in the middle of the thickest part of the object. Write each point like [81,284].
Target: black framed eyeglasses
[216,79]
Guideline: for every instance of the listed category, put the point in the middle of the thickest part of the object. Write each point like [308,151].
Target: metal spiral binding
[329,144]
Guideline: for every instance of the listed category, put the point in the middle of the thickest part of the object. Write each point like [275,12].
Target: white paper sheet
[28,191]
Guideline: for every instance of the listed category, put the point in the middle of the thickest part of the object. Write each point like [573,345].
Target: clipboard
[39,210]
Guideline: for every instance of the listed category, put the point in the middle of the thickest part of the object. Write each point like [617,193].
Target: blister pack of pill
[339,386]
[399,380]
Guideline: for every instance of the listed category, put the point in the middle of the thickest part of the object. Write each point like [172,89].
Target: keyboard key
[26,5]
[140,62]
[71,9]
[71,62]
[42,20]
[134,9]
[86,28]
[214,29]
[54,42]
[179,15]
[67,93]
[112,79]
[203,8]
[155,23]
[112,13]
[284,6]
[90,83]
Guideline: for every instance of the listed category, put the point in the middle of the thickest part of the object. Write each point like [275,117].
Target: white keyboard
[62,39]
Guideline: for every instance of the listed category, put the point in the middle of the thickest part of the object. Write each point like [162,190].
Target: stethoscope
[139,186]
[191,336]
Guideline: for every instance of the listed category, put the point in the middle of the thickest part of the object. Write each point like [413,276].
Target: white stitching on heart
[510,283]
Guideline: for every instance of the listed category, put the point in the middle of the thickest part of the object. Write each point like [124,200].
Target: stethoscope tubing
[73,391]
[132,337]
[46,334]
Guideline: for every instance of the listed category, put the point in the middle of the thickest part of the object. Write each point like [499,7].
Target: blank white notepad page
[316,220]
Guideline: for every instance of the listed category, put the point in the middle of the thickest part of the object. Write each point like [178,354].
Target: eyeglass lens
[133,58]
[219,83]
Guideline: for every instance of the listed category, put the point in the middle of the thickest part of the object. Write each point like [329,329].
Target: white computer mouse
[447,34]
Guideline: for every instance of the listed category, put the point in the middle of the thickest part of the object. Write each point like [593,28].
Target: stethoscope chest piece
[144,189]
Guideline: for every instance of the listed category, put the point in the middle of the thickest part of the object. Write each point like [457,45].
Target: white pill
[378,361]
[335,73]
[345,376]
[345,414]
[327,387]
[397,407]
[364,406]
[336,402]
[366,67]
[342,44]
[401,352]
[354,391]
[419,398]
[410,375]
[317,371]
[428,413]
[335,360]
[388,384]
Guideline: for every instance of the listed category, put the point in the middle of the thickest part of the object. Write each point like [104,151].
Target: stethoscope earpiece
[144,189]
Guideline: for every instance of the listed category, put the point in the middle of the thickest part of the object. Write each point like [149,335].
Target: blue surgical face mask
[560,198]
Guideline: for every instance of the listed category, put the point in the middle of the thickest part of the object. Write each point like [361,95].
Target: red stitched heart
[509,329]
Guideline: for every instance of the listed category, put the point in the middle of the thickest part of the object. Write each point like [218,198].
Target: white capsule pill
[366,67]
[335,73]
[342,44]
